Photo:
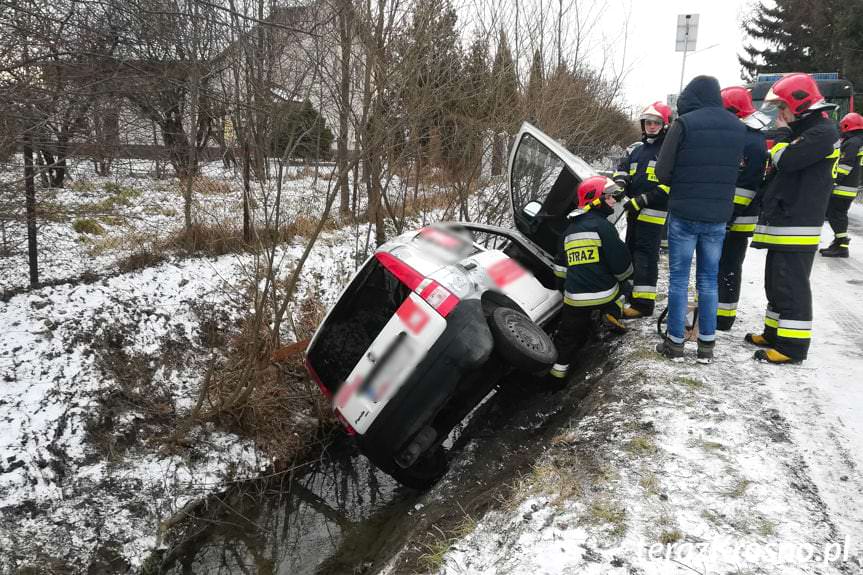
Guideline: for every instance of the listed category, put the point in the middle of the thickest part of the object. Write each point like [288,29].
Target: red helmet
[798,91]
[592,189]
[851,122]
[738,101]
[656,110]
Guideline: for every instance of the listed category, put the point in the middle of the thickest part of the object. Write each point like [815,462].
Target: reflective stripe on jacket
[796,198]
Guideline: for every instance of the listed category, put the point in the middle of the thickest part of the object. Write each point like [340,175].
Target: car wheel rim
[525,335]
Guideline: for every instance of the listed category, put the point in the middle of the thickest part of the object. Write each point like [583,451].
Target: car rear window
[359,316]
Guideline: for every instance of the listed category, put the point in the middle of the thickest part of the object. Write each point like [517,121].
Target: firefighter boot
[756,339]
[613,324]
[838,249]
[671,350]
[557,377]
[828,248]
[630,312]
[773,356]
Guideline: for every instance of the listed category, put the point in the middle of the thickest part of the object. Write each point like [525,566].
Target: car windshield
[359,316]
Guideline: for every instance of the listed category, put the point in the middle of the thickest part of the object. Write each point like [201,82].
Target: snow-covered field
[735,467]
[82,470]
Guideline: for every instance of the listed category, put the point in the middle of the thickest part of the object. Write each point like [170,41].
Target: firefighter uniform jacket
[592,260]
[747,194]
[637,169]
[796,199]
[848,170]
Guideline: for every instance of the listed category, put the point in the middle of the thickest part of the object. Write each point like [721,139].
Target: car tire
[520,342]
[425,472]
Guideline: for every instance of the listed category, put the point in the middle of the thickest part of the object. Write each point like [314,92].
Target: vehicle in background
[835,90]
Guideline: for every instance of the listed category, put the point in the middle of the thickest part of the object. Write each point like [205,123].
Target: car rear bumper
[465,346]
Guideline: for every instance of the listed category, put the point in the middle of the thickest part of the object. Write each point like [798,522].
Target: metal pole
[685,50]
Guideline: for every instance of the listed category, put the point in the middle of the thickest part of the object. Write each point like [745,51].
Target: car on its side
[431,322]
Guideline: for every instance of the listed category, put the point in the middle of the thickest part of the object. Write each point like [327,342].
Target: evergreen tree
[504,101]
[505,89]
[533,101]
[800,35]
[301,131]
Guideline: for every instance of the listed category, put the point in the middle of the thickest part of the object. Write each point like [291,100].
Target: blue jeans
[704,238]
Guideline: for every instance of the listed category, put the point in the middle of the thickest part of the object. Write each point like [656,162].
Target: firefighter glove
[635,204]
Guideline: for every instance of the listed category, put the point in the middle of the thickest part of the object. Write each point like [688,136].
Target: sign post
[687,36]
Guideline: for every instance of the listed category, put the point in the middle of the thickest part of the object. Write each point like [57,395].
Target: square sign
[687,32]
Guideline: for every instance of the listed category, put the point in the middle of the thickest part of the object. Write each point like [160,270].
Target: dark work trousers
[837,215]
[788,320]
[642,239]
[663,243]
[730,276]
[575,328]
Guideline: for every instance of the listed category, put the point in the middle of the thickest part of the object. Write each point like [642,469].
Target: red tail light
[351,431]
[329,395]
[324,389]
[437,296]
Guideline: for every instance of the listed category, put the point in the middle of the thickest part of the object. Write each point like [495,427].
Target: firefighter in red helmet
[747,199]
[646,206]
[592,267]
[847,182]
[792,214]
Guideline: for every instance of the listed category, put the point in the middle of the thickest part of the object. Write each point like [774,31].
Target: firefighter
[847,182]
[738,101]
[592,267]
[646,208]
[792,214]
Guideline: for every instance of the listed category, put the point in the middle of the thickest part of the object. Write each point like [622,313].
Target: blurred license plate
[399,357]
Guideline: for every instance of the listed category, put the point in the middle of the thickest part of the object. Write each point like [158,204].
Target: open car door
[543,176]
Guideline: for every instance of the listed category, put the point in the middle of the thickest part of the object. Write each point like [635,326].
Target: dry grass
[207,187]
[737,489]
[608,513]
[212,239]
[88,226]
[689,382]
[669,537]
[650,483]
[265,393]
[442,541]
[641,445]
[140,259]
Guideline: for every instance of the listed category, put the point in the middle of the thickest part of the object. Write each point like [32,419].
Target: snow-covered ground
[93,373]
[735,467]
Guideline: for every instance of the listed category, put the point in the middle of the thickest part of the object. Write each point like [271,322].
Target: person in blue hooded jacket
[699,161]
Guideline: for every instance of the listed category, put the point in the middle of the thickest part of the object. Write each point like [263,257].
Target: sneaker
[705,351]
[775,357]
[756,339]
[671,350]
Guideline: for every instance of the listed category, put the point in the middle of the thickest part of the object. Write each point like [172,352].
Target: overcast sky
[653,65]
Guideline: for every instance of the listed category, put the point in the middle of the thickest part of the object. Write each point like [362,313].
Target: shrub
[292,120]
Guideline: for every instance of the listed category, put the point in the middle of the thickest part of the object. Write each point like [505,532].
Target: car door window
[536,172]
